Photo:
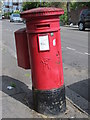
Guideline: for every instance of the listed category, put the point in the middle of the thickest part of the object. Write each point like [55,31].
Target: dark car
[3,17]
[84,19]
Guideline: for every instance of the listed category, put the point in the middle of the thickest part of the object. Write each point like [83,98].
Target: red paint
[46,66]
[22,48]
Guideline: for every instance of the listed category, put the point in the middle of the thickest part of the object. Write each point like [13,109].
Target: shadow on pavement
[82,89]
[20,91]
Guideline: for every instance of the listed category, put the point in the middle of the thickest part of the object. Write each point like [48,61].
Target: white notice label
[54,42]
[43,43]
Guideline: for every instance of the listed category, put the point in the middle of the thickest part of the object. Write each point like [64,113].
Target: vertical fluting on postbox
[44,42]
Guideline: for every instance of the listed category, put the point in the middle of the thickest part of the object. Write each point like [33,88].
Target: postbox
[44,43]
[22,48]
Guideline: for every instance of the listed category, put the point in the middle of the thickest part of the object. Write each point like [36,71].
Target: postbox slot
[42,26]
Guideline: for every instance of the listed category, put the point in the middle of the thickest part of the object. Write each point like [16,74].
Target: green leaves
[17,12]
[63,18]
[75,5]
[30,5]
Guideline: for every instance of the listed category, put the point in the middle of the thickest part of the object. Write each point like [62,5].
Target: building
[1,5]
[12,5]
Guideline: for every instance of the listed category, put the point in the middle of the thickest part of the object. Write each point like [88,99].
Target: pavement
[18,102]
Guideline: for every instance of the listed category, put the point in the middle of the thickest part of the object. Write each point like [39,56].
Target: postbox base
[50,102]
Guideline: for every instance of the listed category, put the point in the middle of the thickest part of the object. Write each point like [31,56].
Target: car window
[88,14]
[16,15]
[84,11]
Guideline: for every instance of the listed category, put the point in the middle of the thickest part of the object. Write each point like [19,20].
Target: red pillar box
[22,48]
[44,41]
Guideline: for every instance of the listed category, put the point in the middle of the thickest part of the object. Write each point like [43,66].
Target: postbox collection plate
[43,42]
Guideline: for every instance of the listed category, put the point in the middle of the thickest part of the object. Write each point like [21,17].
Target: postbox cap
[42,11]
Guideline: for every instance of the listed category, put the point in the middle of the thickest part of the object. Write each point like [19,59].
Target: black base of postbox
[50,102]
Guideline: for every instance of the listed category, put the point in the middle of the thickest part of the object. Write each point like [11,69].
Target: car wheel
[81,26]
[10,20]
[24,21]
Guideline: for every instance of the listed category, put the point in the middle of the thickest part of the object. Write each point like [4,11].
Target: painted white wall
[12,7]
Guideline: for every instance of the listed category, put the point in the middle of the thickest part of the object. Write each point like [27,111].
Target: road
[8,30]
[74,52]
[75,47]
[74,43]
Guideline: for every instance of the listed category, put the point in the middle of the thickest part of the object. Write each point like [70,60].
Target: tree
[56,4]
[75,5]
[68,12]
[30,5]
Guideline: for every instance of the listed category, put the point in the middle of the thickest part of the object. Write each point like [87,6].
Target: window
[16,15]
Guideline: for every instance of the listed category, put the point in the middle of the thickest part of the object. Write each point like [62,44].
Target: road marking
[82,53]
[86,53]
[70,48]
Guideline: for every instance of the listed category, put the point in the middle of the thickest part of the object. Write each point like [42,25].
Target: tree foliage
[7,15]
[17,12]
[30,5]
[63,18]
[56,4]
[75,5]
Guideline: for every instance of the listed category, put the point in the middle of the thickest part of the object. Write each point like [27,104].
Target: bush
[17,12]
[7,15]
[63,18]
[30,5]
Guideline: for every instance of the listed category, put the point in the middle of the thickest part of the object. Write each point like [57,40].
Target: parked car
[3,17]
[84,19]
[15,18]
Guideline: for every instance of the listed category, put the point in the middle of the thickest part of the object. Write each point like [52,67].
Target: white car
[15,18]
